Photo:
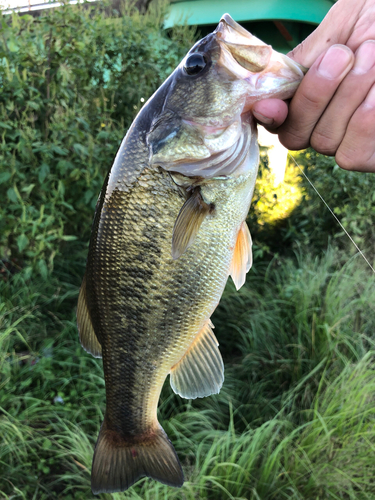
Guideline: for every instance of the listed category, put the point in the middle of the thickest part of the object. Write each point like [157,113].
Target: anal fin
[87,337]
[242,259]
[201,370]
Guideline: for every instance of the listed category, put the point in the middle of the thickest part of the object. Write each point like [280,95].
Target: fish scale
[163,244]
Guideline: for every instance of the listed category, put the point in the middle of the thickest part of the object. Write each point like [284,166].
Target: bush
[65,104]
[295,417]
[350,195]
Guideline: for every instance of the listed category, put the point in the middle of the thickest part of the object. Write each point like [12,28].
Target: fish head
[209,100]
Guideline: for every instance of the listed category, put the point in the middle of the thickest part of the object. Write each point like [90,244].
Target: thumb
[335,28]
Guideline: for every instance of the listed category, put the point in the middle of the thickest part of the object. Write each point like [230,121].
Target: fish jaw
[267,72]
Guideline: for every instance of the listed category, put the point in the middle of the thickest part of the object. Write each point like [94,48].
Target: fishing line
[333,214]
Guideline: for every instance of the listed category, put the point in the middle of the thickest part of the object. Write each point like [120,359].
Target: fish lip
[228,30]
[229,21]
[294,65]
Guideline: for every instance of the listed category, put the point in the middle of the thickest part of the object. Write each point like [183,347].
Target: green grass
[295,418]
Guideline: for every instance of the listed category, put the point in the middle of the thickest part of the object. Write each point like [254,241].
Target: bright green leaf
[43,172]
[42,266]
[28,189]
[68,237]
[22,242]
[12,195]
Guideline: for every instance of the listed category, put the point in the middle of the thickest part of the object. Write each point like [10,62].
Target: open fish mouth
[248,58]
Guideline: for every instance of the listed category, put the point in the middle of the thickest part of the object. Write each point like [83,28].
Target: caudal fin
[118,463]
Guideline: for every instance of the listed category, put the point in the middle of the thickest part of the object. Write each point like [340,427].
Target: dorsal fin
[87,337]
[201,371]
[242,259]
[188,222]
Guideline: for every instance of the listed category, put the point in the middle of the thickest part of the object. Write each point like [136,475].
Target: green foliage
[293,215]
[349,195]
[295,417]
[65,105]
[295,319]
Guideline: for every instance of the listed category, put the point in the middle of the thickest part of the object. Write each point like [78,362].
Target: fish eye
[195,63]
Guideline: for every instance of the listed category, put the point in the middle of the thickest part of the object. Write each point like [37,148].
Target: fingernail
[364,58]
[335,61]
[263,119]
[370,99]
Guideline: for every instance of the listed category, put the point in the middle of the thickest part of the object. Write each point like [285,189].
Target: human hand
[333,110]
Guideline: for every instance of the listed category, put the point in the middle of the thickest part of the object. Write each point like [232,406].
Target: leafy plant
[349,195]
[295,417]
[65,104]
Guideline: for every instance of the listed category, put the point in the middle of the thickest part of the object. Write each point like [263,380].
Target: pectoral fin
[188,222]
[242,259]
[201,371]
[87,337]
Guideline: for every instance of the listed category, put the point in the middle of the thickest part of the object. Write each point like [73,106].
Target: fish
[168,230]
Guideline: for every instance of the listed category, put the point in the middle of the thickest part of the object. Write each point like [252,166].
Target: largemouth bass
[169,229]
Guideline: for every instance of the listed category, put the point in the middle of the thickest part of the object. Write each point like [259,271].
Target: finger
[313,95]
[331,128]
[357,150]
[270,113]
[336,28]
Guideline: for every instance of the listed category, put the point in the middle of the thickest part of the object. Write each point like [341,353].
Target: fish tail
[118,463]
